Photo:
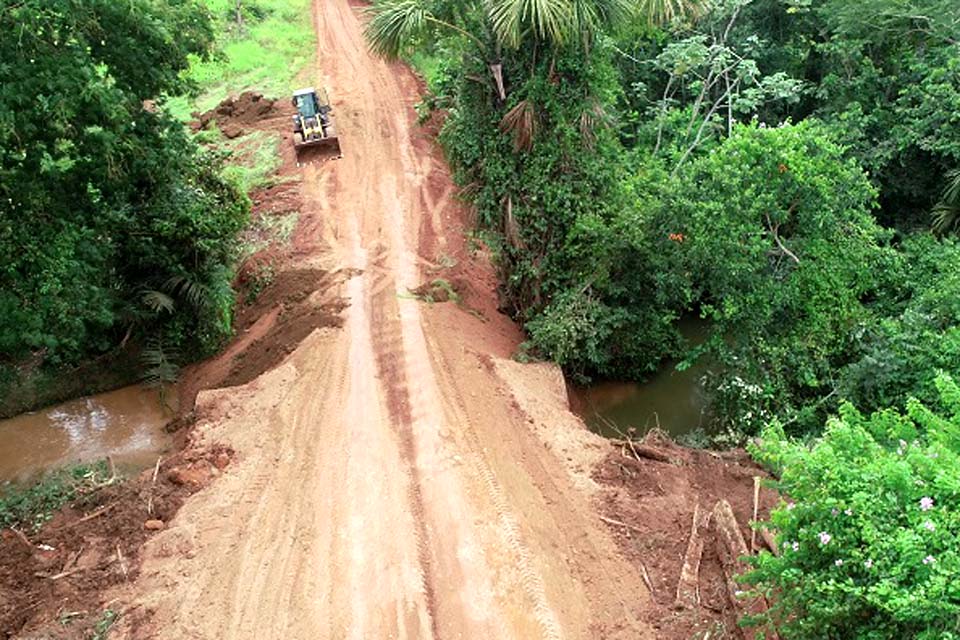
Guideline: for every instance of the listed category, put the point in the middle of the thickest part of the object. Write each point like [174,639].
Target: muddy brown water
[127,425]
[672,400]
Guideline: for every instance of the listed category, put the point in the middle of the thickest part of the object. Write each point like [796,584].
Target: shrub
[871,535]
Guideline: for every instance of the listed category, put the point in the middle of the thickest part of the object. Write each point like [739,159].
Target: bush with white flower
[870,540]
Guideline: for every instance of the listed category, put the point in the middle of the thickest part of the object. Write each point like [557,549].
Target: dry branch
[688,587]
[732,548]
[620,524]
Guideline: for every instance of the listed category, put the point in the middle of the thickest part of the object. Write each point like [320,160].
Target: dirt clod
[153,525]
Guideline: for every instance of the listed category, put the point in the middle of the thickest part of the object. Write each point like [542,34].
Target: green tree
[103,197]
[771,238]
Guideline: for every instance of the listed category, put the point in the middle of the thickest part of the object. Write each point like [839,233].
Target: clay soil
[365,459]
[655,501]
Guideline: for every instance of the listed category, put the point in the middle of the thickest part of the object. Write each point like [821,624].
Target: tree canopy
[109,214]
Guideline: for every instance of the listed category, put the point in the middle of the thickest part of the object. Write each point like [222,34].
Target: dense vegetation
[115,225]
[789,172]
[871,536]
[772,166]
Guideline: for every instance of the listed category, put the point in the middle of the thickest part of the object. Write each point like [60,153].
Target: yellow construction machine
[314,134]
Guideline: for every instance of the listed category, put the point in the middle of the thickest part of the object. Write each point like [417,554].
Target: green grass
[29,507]
[101,630]
[255,159]
[267,54]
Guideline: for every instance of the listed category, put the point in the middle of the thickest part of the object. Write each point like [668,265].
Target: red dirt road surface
[395,477]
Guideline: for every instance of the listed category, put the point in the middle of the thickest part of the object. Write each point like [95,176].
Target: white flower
[929,560]
[926,503]
[796,546]
[868,564]
[849,512]
[824,538]
[929,526]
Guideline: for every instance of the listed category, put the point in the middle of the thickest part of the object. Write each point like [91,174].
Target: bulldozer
[314,134]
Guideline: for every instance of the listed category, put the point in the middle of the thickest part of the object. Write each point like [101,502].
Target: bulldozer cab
[315,137]
[308,103]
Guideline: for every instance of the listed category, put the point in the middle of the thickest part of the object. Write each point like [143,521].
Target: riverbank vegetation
[785,170]
[116,226]
[119,224]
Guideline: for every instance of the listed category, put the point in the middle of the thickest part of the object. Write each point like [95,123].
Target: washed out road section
[387,482]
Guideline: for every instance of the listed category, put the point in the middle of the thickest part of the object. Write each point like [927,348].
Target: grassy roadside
[266,49]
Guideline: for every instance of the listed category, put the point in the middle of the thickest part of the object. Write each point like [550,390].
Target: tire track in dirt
[388,349]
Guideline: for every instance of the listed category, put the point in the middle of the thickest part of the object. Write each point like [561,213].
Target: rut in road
[370,498]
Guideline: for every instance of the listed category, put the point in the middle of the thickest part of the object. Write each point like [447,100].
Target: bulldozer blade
[317,151]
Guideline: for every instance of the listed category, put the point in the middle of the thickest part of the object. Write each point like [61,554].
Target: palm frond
[521,123]
[158,365]
[589,16]
[194,292]
[593,117]
[946,214]
[660,12]
[157,301]
[545,19]
[393,24]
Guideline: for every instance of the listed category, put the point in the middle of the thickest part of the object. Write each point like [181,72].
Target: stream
[675,401]
[126,424]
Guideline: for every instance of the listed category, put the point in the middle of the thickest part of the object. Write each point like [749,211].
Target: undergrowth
[255,159]
[29,507]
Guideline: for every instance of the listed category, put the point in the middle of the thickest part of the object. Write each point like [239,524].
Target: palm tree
[395,23]
[946,215]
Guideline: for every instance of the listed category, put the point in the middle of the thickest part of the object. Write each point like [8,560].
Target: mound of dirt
[238,113]
[648,502]
[52,581]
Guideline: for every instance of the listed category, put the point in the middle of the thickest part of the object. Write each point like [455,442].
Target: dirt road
[396,477]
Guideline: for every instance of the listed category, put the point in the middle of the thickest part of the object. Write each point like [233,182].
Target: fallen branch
[621,524]
[23,537]
[646,578]
[641,451]
[96,514]
[123,565]
[756,507]
[62,574]
[688,587]
[732,548]
[769,540]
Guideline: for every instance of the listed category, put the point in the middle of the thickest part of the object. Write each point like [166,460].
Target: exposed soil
[655,501]
[51,581]
[237,115]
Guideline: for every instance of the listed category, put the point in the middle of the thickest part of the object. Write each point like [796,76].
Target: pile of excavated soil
[654,502]
[51,582]
[238,114]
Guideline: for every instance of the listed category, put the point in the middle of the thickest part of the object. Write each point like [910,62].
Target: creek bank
[94,544]
[650,502]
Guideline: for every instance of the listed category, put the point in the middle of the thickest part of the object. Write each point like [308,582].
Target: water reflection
[127,424]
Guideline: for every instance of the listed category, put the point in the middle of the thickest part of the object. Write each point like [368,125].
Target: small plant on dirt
[102,627]
[30,507]
[871,536]
[261,278]
[439,290]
